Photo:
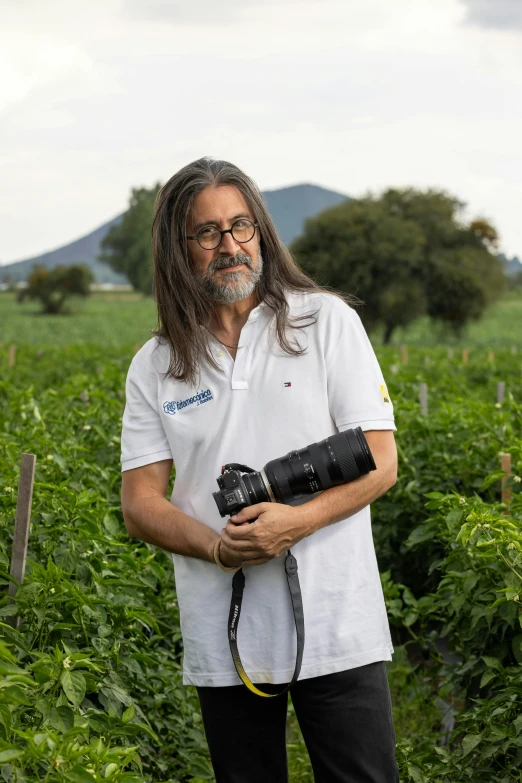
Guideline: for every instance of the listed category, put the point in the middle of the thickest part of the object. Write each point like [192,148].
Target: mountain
[514,266]
[81,251]
[289,208]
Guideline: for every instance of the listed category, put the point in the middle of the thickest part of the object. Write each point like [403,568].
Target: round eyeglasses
[210,237]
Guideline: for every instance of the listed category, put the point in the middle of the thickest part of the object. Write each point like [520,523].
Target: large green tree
[405,254]
[127,246]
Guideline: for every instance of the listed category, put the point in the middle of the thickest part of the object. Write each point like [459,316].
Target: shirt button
[220,354]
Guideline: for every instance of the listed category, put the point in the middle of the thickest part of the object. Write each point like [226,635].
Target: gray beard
[239,285]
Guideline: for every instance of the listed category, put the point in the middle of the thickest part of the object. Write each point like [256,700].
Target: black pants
[345,719]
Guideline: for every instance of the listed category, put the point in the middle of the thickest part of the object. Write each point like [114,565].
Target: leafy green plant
[478,601]
[454,449]
[92,677]
[477,606]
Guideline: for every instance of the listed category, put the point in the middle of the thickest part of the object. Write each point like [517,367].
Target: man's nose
[228,245]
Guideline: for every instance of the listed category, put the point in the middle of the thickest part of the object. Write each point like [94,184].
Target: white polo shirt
[254,409]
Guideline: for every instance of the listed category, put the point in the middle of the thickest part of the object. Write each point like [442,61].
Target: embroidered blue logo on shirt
[177,405]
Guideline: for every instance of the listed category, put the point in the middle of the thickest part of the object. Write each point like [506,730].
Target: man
[252,360]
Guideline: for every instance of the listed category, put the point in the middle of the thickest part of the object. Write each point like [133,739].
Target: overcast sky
[353,95]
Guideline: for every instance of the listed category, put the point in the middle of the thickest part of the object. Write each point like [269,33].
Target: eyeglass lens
[210,237]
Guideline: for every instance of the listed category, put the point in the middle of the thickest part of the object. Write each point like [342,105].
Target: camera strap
[238,585]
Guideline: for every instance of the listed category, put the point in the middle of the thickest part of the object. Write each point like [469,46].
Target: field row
[122,319]
[92,676]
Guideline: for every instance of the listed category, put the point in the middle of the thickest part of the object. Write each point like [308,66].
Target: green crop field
[127,318]
[91,680]
[501,326]
[106,319]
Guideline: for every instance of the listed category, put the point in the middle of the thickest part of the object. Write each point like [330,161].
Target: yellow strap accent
[250,685]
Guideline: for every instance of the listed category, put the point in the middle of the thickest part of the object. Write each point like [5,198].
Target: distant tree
[127,246]
[462,274]
[54,286]
[405,254]
[362,248]
[455,293]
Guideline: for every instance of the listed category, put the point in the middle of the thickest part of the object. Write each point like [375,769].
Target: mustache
[227,261]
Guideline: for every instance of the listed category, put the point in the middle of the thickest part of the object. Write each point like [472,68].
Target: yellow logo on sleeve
[385,395]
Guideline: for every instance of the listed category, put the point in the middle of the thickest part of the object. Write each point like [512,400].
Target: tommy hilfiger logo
[177,405]
[287,383]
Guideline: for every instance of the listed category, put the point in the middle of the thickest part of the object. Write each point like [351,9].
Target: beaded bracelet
[228,569]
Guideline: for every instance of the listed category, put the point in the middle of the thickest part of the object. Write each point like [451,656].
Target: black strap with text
[238,585]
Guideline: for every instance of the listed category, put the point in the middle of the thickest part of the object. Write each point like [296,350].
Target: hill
[514,266]
[82,251]
[289,208]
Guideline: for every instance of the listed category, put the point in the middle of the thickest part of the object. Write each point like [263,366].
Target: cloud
[349,94]
[495,14]
[259,27]
[199,12]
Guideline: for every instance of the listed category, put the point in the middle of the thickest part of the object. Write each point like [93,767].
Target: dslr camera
[335,460]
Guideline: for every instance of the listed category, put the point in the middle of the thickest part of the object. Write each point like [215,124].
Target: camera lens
[335,460]
[351,453]
[255,488]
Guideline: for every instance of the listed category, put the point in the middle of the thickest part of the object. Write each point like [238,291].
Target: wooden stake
[465,355]
[22,521]
[505,466]
[12,355]
[404,354]
[450,353]
[501,392]
[136,348]
[427,361]
[423,398]
[491,356]
[394,369]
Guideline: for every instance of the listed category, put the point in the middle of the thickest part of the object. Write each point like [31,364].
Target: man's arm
[150,517]
[278,527]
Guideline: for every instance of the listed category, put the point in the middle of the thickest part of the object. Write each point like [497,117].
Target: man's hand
[276,528]
[229,560]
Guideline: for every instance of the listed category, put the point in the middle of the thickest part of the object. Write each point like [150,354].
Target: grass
[108,319]
[501,326]
[114,319]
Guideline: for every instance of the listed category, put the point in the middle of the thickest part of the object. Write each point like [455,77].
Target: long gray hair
[183,305]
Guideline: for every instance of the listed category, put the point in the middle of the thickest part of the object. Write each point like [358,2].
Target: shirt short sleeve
[143,438]
[357,392]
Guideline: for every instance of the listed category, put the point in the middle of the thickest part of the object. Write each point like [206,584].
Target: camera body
[233,491]
[335,460]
